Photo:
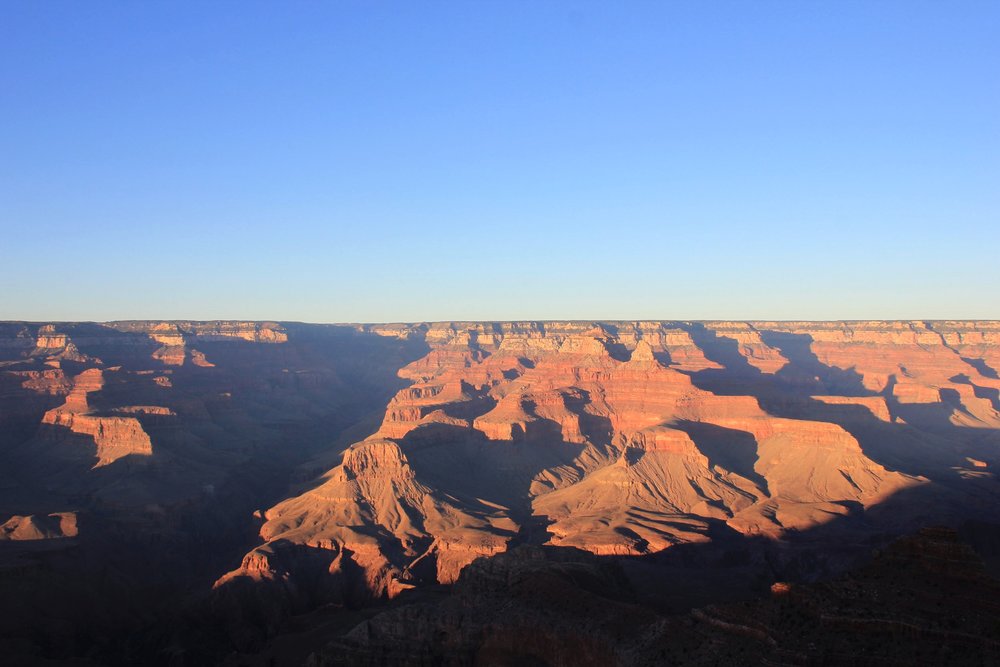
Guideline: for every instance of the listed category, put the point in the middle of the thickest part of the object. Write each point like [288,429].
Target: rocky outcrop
[916,602]
[32,527]
[373,518]
[113,437]
[628,438]
[403,452]
[51,380]
[924,600]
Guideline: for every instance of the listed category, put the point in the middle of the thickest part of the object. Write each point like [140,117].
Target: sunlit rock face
[26,528]
[626,438]
[113,437]
[150,417]
[361,461]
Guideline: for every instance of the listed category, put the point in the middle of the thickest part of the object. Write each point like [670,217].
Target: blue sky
[412,161]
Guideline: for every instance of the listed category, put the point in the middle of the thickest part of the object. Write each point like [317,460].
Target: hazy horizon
[599,320]
[351,162]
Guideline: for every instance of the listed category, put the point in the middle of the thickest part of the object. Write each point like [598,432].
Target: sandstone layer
[627,438]
[370,462]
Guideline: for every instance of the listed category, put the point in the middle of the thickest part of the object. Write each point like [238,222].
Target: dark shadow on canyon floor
[142,602]
[241,431]
[553,605]
[727,448]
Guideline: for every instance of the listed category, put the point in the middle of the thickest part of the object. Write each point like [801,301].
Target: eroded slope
[626,438]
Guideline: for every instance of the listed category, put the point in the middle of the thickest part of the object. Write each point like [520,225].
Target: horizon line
[500,321]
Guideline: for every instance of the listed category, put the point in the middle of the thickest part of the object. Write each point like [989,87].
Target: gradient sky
[336,161]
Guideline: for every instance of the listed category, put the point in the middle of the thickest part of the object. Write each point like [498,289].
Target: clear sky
[406,161]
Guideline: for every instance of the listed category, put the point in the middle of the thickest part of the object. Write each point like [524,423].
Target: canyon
[289,492]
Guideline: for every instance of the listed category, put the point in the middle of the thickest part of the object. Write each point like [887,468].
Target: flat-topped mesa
[873,405]
[374,456]
[114,437]
[169,335]
[52,343]
[659,439]
[49,339]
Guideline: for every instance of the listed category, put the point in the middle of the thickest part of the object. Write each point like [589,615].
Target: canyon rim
[250,491]
[475,334]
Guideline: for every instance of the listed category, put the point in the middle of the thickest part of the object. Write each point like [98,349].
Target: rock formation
[113,437]
[924,600]
[62,524]
[627,438]
[365,464]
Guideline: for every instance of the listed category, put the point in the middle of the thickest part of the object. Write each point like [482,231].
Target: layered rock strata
[626,438]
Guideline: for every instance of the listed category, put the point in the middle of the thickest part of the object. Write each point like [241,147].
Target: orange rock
[114,437]
[32,527]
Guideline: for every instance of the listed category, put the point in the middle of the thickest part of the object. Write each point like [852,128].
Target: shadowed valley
[256,492]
